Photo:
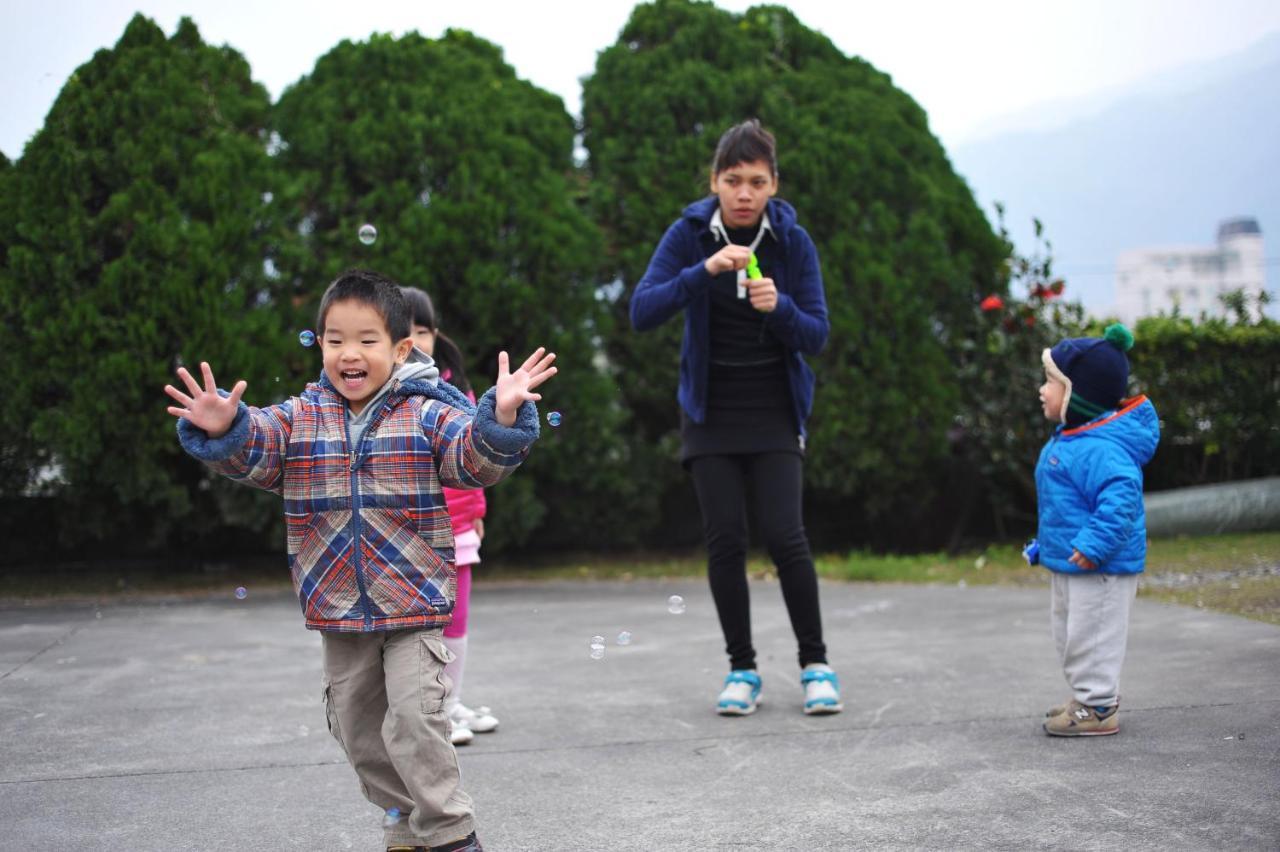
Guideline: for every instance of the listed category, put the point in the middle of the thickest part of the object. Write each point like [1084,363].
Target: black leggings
[775,482]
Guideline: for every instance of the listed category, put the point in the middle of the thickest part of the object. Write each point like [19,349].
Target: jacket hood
[782,216]
[1135,427]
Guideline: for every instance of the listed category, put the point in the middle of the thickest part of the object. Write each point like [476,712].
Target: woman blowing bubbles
[745,394]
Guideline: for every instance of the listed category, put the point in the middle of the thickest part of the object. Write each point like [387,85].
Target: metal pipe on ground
[1248,506]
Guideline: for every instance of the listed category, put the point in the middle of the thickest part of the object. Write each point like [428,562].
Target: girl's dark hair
[369,288]
[447,355]
[747,142]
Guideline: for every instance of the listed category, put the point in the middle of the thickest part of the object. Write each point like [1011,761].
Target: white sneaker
[459,733]
[479,720]
[821,689]
[741,693]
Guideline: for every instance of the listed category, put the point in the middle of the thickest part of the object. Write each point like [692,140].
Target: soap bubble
[307,338]
[241,593]
[597,652]
[624,638]
[367,234]
[675,604]
[553,418]
[597,640]
[392,818]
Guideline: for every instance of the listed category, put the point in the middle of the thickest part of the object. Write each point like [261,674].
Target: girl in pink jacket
[466,512]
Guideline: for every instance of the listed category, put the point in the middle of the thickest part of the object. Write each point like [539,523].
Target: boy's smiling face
[1051,396]
[359,354]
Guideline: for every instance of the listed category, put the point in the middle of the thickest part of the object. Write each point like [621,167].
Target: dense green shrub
[1216,384]
[905,252]
[467,173]
[135,237]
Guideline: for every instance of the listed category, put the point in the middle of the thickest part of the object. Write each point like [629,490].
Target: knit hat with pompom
[1095,371]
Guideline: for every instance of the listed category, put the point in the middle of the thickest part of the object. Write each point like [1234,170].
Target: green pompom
[1119,337]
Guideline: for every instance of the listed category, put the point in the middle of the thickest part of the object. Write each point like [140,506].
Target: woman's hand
[729,257]
[763,294]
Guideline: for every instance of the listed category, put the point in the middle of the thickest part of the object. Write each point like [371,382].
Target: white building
[1156,280]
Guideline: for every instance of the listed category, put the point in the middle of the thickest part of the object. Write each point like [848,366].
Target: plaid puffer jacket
[369,539]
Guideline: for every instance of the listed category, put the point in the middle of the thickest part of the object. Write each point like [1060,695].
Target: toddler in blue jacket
[1092,526]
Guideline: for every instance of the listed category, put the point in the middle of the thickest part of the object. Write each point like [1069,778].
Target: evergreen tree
[466,173]
[138,239]
[906,253]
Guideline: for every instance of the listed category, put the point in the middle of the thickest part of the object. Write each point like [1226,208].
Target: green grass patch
[1201,558]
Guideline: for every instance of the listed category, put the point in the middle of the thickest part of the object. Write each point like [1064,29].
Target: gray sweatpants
[1090,617]
[384,697]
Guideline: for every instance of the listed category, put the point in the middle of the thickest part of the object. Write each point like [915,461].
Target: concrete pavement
[198,725]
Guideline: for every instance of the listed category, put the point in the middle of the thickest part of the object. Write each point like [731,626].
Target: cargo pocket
[331,716]
[433,683]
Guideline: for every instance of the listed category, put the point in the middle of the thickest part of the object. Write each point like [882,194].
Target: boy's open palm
[204,407]
[514,389]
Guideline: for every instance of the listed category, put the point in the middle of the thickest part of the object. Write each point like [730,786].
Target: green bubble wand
[753,273]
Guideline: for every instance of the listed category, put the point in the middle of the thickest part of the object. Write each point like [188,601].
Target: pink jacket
[464,504]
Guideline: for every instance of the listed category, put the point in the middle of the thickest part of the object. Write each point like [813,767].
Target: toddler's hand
[1079,560]
[205,408]
[514,389]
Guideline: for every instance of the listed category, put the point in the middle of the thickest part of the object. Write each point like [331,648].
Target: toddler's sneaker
[479,720]
[821,689]
[1057,710]
[466,844]
[459,733]
[1082,721]
[741,693]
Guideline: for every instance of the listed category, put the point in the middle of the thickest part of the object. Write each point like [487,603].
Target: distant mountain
[1158,164]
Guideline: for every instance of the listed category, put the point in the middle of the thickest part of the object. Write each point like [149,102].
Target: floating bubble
[624,638]
[597,652]
[553,418]
[307,338]
[241,593]
[597,640]
[392,818]
[675,604]
[367,234]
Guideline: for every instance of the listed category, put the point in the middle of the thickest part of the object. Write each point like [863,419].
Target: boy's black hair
[447,355]
[378,292]
[747,142]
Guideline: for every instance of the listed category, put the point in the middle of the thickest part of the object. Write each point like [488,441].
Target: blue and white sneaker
[741,693]
[821,689]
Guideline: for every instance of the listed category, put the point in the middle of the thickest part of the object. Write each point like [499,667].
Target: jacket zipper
[355,522]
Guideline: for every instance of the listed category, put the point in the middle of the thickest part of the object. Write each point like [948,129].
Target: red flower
[1030,321]
[992,303]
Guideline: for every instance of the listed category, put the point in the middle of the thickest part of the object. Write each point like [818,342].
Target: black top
[749,408]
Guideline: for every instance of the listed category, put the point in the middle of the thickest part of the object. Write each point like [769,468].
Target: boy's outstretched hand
[205,408]
[514,389]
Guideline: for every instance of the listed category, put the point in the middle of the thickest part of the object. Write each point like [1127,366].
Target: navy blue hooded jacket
[677,280]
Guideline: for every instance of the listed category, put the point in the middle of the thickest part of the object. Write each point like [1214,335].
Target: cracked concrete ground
[198,725]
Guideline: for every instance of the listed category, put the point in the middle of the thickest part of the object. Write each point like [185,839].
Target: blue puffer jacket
[1089,484]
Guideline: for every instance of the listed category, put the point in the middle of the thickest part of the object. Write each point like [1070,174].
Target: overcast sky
[965,63]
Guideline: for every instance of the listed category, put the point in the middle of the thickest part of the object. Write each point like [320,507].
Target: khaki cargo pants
[384,698]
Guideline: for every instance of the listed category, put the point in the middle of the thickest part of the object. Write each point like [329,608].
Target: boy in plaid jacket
[360,458]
